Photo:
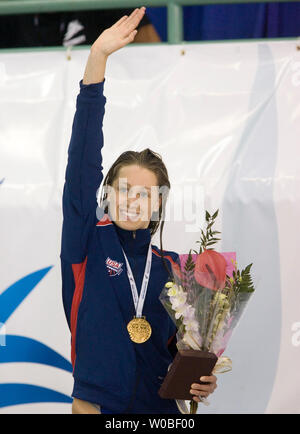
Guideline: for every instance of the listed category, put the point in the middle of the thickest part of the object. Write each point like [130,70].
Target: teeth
[129,214]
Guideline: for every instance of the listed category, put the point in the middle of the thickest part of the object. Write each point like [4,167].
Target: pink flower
[210,270]
[229,257]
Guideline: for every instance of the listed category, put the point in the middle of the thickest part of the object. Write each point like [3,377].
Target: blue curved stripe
[2,180]
[13,296]
[14,394]
[22,349]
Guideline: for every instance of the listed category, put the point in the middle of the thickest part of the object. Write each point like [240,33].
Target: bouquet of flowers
[205,300]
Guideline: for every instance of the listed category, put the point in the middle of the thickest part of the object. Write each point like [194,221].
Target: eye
[123,189]
[144,194]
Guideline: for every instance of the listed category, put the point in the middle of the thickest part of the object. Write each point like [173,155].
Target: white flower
[173,291]
[180,311]
[178,300]
[191,325]
[189,313]
[193,340]
[189,318]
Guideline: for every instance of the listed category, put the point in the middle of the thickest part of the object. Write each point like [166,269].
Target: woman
[112,275]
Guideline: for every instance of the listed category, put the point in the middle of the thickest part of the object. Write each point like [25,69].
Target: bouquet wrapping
[205,299]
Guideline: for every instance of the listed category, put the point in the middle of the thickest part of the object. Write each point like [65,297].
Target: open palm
[119,34]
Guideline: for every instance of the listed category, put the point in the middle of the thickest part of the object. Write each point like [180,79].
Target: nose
[133,203]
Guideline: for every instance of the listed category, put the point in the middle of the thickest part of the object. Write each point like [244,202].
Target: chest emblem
[114,267]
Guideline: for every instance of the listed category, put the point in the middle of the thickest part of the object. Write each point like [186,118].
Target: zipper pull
[134,234]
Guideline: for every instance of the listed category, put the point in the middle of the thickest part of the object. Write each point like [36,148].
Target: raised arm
[84,168]
[111,40]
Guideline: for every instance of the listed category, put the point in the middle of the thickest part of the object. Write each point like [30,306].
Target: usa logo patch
[114,267]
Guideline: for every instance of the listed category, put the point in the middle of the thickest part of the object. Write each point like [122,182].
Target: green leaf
[215,214]
[247,269]
[246,283]
[189,265]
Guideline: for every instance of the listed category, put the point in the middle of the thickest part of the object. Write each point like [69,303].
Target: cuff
[91,92]
[91,89]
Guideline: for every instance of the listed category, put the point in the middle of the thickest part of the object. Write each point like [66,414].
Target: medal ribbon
[139,300]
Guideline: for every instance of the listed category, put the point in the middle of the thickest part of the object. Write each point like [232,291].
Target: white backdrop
[226,119]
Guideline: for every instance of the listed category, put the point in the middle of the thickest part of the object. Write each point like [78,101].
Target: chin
[131,225]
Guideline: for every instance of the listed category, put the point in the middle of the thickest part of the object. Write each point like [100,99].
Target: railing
[174,8]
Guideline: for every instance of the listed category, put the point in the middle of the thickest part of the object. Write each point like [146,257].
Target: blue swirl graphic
[14,394]
[22,349]
[13,296]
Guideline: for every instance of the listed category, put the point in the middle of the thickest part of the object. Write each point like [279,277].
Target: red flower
[210,270]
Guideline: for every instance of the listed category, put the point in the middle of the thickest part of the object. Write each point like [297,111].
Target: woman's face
[131,198]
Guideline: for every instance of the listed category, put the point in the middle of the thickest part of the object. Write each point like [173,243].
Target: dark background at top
[233,21]
[201,23]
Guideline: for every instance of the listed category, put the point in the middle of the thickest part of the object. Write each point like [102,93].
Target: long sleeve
[83,173]
[82,180]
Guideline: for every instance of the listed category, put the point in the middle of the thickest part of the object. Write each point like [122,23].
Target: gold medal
[139,330]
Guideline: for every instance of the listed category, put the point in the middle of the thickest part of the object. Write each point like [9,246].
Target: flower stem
[193,407]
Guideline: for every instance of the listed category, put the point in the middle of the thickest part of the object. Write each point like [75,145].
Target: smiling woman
[112,274]
[135,190]
[130,205]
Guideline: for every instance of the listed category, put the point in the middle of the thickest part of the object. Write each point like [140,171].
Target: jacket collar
[134,242]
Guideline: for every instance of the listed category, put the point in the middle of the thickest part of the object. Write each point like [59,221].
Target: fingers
[209,379]
[128,20]
[200,393]
[130,38]
[200,399]
[133,20]
[121,20]
[203,390]
[196,390]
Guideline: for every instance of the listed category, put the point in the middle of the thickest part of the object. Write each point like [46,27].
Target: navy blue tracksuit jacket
[108,368]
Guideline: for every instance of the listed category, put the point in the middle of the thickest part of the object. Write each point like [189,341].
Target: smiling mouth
[129,215]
